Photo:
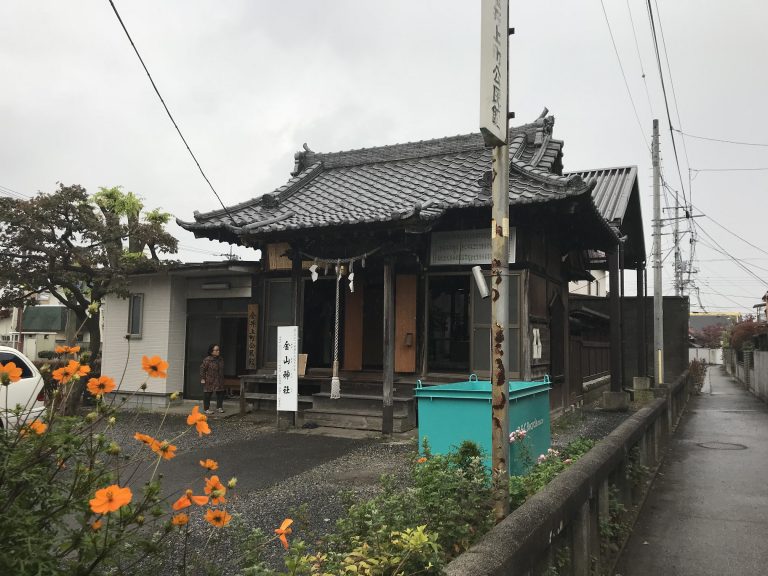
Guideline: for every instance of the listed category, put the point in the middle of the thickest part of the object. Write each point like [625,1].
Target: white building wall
[154,340]
[598,287]
[177,334]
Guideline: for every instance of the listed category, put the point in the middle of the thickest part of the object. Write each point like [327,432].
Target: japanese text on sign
[287,368]
[493,71]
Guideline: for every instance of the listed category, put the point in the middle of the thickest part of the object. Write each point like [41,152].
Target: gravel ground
[317,497]
[586,422]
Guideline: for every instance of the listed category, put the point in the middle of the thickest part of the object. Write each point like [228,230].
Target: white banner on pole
[287,369]
[494,35]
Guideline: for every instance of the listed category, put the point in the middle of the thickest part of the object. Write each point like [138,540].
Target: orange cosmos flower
[199,421]
[188,499]
[110,499]
[9,373]
[74,349]
[95,525]
[156,367]
[61,349]
[421,460]
[101,385]
[209,464]
[146,439]
[284,531]
[216,490]
[72,370]
[218,518]
[37,427]
[179,519]
[164,449]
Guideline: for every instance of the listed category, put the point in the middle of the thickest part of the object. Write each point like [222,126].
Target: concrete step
[355,419]
[375,388]
[364,402]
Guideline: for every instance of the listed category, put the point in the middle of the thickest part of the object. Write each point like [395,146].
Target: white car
[26,393]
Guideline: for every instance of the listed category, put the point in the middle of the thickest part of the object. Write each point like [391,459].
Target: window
[135,314]
[6,357]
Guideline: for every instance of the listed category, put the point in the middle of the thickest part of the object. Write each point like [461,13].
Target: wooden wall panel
[405,323]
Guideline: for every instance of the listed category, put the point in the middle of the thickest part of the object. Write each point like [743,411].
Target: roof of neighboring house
[699,320]
[38,319]
[402,184]
[617,196]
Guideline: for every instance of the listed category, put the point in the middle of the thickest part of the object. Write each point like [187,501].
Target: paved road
[707,513]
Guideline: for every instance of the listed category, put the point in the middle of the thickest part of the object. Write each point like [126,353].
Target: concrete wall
[760,377]
[708,355]
[561,523]
[753,374]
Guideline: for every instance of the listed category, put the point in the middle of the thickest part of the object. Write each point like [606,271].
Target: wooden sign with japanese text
[252,356]
[494,25]
[287,368]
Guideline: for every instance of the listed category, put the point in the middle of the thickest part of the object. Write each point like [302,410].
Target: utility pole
[658,303]
[494,117]
[678,260]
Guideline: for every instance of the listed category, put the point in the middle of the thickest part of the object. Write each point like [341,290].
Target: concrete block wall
[564,519]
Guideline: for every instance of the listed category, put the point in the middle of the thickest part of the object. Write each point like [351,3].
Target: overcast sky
[249,81]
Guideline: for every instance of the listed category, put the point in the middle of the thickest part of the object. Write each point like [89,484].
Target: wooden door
[405,322]
[353,329]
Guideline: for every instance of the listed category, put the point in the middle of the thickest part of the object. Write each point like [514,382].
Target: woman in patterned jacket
[212,379]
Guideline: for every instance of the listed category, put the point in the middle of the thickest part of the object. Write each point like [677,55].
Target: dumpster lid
[474,388]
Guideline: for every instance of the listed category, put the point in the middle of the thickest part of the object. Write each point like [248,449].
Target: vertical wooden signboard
[252,356]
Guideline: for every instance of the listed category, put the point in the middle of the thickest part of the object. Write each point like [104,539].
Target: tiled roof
[418,180]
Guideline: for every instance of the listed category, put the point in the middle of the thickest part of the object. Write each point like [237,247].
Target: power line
[664,91]
[640,59]
[737,236]
[728,169]
[674,93]
[623,75]
[720,140]
[136,50]
[11,192]
[718,248]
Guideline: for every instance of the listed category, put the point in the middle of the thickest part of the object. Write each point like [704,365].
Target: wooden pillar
[388,358]
[615,325]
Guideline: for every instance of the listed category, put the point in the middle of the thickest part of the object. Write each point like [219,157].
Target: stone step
[355,419]
[366,402]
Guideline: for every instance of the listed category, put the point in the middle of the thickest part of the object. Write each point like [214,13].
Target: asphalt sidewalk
[707,511]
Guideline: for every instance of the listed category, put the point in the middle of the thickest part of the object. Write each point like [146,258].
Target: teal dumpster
[452,413]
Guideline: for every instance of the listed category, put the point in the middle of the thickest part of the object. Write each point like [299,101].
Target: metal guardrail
[562,523]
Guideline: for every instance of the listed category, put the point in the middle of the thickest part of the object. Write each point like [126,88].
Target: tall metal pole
[658,303]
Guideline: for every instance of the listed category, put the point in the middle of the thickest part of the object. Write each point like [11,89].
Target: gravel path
[315,497]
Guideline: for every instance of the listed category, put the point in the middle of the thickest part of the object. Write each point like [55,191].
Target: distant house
[39,328]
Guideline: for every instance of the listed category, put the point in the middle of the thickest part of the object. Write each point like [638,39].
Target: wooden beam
[615,325]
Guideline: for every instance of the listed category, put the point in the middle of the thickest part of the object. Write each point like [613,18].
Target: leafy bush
[544,471]
[448,494]
[697,369]
[65,506]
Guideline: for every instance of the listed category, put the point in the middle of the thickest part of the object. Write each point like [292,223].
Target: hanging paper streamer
[313,271]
